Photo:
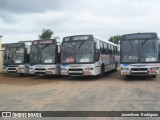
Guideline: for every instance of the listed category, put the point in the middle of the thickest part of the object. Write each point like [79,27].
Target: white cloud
[100,17]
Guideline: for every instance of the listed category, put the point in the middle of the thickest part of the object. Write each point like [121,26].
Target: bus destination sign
[140,36]
[79,37]
[52,41]
[45,42]
[16,45]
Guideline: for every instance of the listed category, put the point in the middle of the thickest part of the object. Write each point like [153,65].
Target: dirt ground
[58,93]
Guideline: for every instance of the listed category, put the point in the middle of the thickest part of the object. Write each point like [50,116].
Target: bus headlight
[50,68]
[31,70]
[124,68]
[154,68]
[88,68]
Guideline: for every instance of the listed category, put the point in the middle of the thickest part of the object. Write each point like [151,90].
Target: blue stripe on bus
[125,64]
[64,65]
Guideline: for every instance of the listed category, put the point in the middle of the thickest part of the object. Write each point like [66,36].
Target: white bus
[87,55]
[16,58]
[140,54]
[45,57]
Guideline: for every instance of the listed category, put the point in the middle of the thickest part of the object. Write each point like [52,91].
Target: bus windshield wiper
[131,44]
[45,46]
[81,44]
[144,42]
[72,45]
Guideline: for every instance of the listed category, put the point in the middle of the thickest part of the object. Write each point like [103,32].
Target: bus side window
[114,49]
[105,49]
[96,52]
[116,52]
[101,47]
[110,50]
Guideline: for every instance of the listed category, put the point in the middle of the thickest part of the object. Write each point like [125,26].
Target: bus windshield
[139,51]
[43,54]
[14,55]
[77,52]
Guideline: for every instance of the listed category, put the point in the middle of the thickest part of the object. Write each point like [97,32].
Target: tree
[115,39]
[46,33]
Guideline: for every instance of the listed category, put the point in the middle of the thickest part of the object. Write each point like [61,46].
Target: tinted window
[77,52]
[14,55]
[105,48]
[101,48]
[114,50]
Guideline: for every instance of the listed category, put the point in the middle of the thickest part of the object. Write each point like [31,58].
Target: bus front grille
[75,69]
[139,69]
[40,68]
[11,68]
[75,74]
[140,73]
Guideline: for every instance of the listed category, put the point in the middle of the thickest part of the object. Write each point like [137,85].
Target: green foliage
[46,33]
[115,39]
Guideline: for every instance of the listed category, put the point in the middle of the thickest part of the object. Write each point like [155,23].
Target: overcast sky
[24,19]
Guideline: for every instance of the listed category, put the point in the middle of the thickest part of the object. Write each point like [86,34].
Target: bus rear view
[139,54]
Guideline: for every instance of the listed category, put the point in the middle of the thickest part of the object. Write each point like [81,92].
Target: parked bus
[87,55]
[16,58]
[45,57]
[140,54]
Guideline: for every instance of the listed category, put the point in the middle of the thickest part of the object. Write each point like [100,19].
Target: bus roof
[91,36]
[147,35]
[15,45]
[104,40]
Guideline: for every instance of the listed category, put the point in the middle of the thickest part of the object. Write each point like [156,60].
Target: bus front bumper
[148,72]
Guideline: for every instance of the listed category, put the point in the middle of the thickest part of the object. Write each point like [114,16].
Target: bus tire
[128,76]
[154,76]
[102,72]
[115,69]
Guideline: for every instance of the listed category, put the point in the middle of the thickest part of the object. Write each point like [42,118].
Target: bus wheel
[154,76]
[128,76]
[115,69]
[102,72]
